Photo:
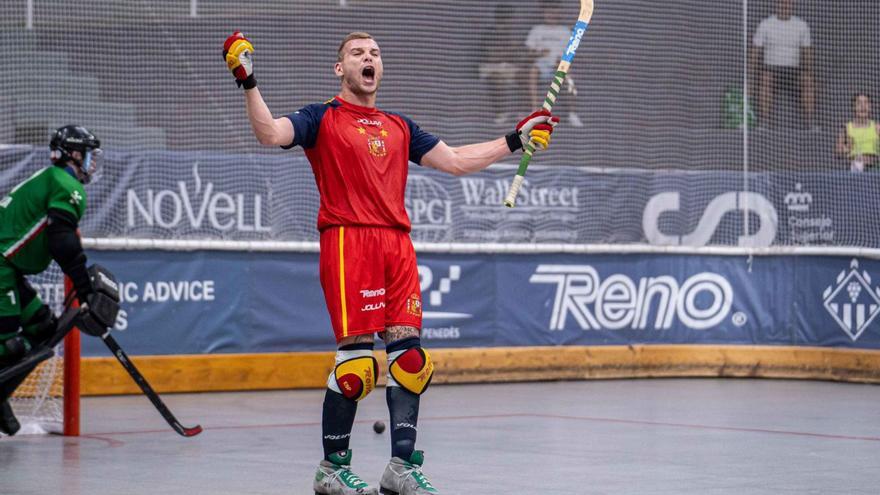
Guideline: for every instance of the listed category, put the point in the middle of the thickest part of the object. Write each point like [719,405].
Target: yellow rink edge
[272,371]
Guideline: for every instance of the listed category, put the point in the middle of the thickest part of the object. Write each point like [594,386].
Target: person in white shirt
[784,43]
[546,42]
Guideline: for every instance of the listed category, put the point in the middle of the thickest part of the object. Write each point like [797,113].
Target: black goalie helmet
[73,138]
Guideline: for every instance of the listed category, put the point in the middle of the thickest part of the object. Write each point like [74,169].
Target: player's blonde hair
[357,35]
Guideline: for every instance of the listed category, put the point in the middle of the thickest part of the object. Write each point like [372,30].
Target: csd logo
[750,202]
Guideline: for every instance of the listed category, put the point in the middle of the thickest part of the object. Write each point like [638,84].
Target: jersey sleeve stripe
[28,236]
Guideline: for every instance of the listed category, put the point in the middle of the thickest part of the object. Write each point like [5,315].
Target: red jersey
[360,157]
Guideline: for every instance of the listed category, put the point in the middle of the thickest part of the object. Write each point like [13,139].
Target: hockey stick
[567,56]
[187,431]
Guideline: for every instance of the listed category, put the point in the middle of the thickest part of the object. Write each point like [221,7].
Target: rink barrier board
[309,370]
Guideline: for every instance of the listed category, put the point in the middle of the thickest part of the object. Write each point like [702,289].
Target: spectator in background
[781,58]
[859,140]
[546,42]
[499,68]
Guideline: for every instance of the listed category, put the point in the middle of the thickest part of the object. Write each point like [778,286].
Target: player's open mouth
[369,74]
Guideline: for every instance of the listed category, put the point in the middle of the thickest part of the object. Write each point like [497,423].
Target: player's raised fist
[538,126]
[238,53]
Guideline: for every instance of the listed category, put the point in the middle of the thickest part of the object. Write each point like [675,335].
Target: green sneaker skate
[406,478]
[334,477]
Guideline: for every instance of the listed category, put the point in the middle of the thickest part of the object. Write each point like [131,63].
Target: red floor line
[523,415]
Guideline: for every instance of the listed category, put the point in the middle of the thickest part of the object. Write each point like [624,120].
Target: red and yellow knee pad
[410,369]
[355,377]
[356,370]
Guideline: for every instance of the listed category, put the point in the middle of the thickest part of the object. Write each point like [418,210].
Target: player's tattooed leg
[399,332]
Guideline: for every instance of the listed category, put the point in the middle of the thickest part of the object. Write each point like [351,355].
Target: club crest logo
[414,305]
[375,144]
[852,302]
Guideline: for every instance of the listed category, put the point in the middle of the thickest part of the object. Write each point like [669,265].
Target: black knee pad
[9,324]
[41,326]
[12,345]
[16,348]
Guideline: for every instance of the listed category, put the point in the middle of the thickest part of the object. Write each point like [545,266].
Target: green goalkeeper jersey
[24,216]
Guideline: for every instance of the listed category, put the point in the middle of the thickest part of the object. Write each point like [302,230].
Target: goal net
[687,123]
[39,402]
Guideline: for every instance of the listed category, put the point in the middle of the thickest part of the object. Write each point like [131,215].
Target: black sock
[403,407]
[337,418]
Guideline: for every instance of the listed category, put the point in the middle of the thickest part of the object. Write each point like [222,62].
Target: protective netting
[656,122]
[38,401]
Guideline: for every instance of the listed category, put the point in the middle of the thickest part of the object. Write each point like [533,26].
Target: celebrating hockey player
[360,156]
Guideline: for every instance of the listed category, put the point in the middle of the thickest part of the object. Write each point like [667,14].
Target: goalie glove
[538,126]
[238,53]
[99,310]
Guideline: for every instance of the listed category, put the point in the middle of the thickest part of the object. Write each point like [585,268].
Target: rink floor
[696,436]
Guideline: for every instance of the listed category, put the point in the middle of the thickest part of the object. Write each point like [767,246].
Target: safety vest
[864,139]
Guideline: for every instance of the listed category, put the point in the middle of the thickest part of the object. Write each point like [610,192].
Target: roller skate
[405,477]
[334,477]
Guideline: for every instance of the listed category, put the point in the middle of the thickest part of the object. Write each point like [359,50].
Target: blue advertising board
[229,302]
[202,195]
[221,302]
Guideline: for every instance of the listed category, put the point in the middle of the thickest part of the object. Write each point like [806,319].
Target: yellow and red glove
[238,53]
[538,126]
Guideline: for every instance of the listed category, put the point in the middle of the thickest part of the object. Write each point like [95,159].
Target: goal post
[71,377]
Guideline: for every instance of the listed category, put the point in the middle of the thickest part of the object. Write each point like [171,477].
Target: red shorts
[370,280]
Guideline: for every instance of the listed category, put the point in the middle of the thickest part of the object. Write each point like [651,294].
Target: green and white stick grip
[550,99]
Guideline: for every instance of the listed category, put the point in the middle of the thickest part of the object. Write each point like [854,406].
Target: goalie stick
[68,321]
[105,283]
[122,357]
[567,56]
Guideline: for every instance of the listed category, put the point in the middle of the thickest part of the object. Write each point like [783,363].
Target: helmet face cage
[72,138]
[91,165]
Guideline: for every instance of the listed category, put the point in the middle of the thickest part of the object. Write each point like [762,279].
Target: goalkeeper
[360,157]
[38,224]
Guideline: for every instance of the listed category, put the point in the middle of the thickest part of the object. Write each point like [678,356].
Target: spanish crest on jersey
[377,145]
